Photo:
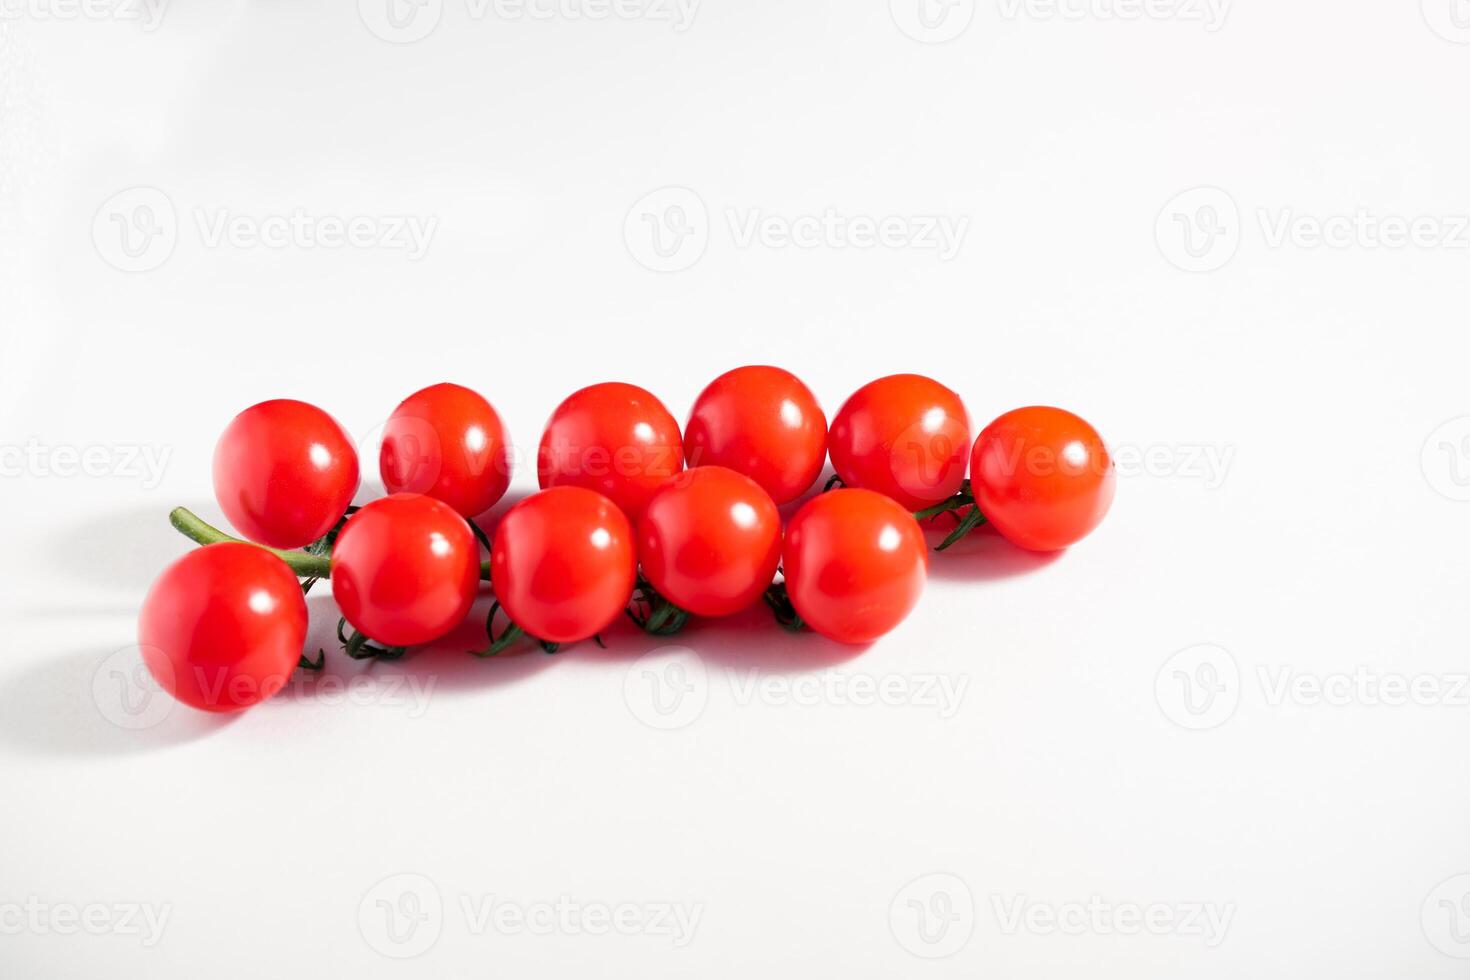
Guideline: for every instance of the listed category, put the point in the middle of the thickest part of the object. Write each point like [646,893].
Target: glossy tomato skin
[405,569]
[448,442]
[223,627]
[905,436]
[710,540]
[613,438]
[855,563]
[563,564]
[284,473]
[1043,477]
[762,422]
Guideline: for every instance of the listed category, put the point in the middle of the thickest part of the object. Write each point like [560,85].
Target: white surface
[1068,773]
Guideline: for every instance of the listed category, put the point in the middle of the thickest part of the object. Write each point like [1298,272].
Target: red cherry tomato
[405,569]
[855,563]
[284,473]
[1043,477]
[562,564]
[222,628]
[614,438]
[448,442]
[709,541]
[904,436]
[763,422]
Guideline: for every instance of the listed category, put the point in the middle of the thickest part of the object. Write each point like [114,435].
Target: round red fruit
[223,627]
[904,436]
[616,439]
[763,422]
[562,564]
[405,570]
[1043,477]
[855,563]
[709,541]
[447,441]
[284,473]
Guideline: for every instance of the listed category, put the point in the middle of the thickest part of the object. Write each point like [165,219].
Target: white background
[1324,539]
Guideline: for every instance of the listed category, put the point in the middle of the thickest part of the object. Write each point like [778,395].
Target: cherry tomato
[763,422]
[222,628]
[405,569]
[448,442]
[562,564]
[284,473]
[1043,477]
[904,436]
[855,563]
[614,438]
[709,541]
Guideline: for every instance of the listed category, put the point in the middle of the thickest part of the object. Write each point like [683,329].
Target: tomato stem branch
[191,526]
[654,614]
[304,563]
[971,520]
[782,608]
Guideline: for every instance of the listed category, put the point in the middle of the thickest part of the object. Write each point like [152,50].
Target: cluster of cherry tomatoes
[634,517]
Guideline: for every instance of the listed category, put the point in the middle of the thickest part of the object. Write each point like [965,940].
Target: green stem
[304,564]
[194,528]
[964,498]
